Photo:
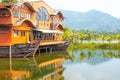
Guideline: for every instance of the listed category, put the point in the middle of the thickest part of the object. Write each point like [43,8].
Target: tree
[103,37]
[89,37]
[118,38]
[67,34]
[110,39]
[81,37]
[9,1]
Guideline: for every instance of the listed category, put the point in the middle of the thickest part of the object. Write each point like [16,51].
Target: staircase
[32,48]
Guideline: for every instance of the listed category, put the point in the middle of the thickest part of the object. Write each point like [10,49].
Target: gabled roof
[26,4]
[9,5]
[60,15]
[29,6]
[6,5]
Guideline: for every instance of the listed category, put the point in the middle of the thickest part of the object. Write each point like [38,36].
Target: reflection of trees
[93,56]
[89,54]
[72,56]
[111,54]
[118,56]
[104,54]
[82,55]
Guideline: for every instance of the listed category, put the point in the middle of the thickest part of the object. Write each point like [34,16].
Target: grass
[76,45]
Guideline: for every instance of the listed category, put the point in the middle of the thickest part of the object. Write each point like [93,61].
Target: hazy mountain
[91,20]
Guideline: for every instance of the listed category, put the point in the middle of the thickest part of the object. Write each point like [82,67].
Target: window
[42,14]
[38,16]
[22,15]
[15,13]
[4,30]
[22,33]
[15,33]
[28,16]
[4,14]
[37,35]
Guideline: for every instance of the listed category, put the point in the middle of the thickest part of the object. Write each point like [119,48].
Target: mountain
[92,20]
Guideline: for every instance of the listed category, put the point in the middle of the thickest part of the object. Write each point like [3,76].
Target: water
[93,65]
[100,41]
[85,64]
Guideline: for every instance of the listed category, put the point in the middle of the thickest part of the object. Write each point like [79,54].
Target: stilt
[39,51]
[10,56]
[50,50]
[46,50]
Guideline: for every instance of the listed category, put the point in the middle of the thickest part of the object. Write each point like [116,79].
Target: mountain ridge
[92,20]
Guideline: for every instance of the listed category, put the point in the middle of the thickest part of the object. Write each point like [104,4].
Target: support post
[46,50]
[10,56]
[50,50]
[39,51]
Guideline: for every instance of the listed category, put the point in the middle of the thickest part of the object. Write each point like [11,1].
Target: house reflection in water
[14,75]
[44,67]
[56,66]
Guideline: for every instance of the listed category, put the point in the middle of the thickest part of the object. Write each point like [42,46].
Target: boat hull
[22,50]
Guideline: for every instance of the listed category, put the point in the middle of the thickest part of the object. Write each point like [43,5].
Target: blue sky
[108,6]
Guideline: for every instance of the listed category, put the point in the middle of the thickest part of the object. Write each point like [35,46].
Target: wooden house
[26,27]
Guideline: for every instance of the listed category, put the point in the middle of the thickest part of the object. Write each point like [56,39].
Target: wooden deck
[44,43]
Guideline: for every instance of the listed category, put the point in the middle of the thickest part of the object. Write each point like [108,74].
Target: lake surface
[99,41]
[85,64]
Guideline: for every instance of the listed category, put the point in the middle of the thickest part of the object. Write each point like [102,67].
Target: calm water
[83,64]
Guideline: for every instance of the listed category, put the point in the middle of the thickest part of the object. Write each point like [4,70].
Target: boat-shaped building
[26,27]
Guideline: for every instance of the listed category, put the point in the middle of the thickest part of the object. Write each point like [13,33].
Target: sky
[108,6]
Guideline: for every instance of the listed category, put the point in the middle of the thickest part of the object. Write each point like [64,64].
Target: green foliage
[81,37]
[103,37]
[89,36]
[94,46]
[110,38]
[9,1]
[67,34]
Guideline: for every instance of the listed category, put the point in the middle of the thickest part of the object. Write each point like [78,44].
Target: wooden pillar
[51,50]
[39,51]
[10,56]
[46,50]
[43,36]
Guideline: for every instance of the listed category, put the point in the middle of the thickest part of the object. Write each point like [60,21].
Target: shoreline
[76,45]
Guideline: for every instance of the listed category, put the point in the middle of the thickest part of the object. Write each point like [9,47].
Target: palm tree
[103,37]
[110,39]
[118,38]
[89,36]
[81,37]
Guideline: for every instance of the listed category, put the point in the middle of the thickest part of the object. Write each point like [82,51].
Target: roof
[5,5]
[29,6]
